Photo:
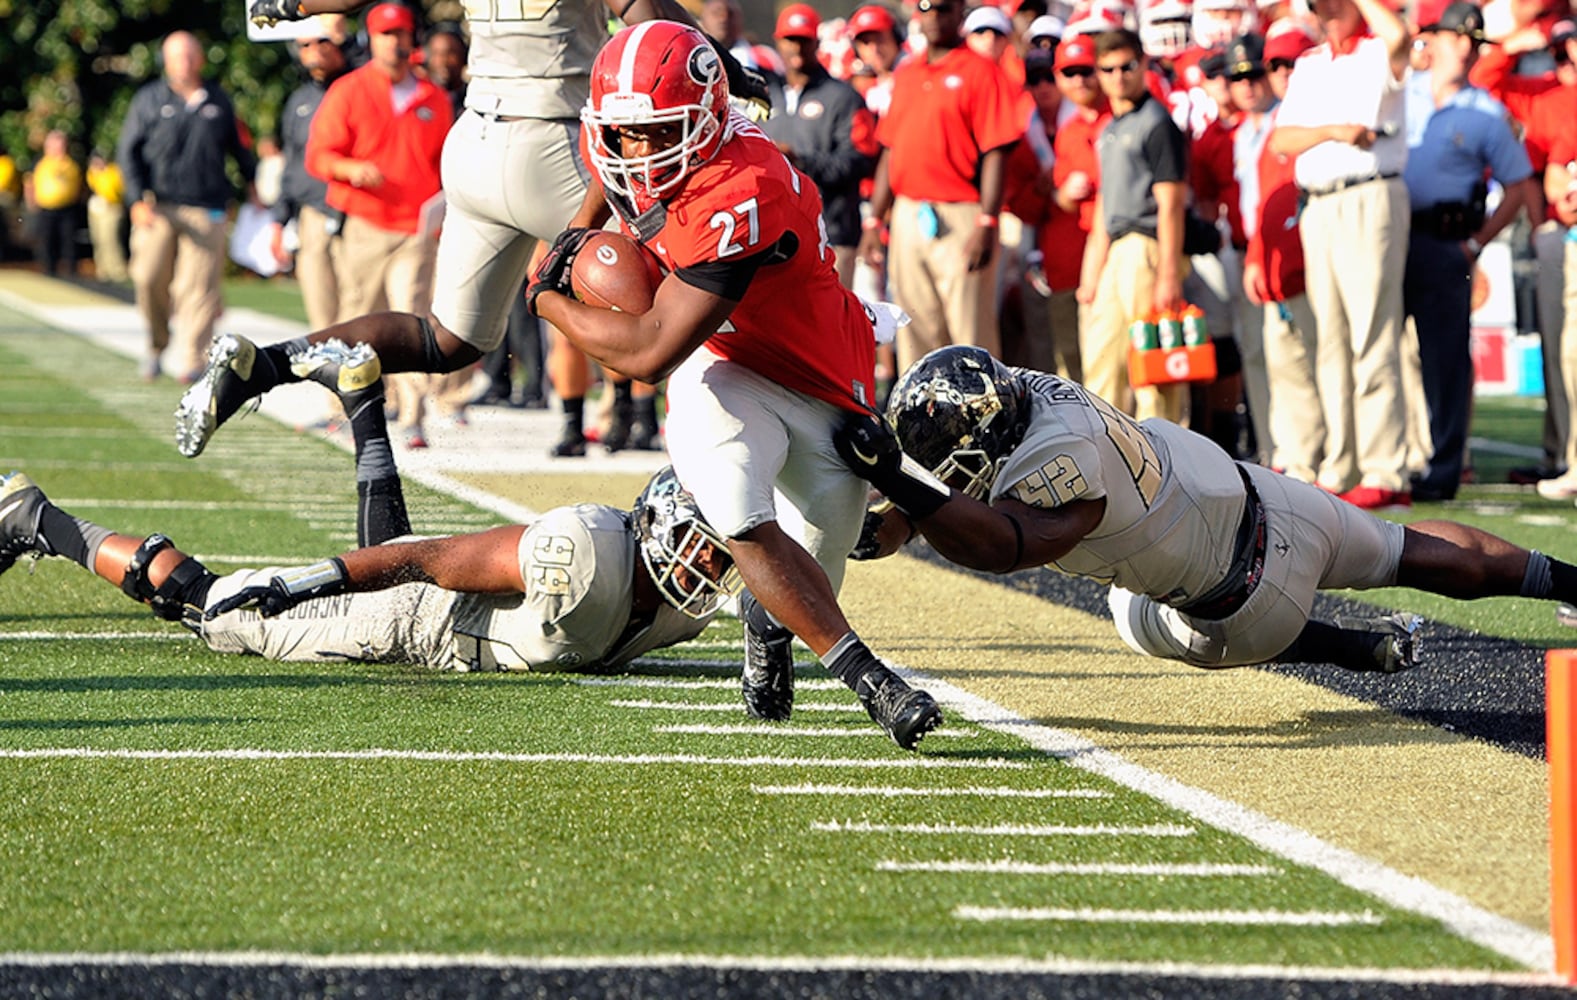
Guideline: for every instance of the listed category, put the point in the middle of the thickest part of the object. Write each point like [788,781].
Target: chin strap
[186,585]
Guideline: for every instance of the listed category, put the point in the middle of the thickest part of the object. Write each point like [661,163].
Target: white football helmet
[1165,27]
[677,546]
[1217,22]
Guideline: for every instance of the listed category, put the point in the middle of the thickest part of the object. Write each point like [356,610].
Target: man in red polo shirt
[376,140]
[939,188]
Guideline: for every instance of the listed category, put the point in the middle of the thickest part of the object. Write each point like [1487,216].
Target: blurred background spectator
[178,133]
[53,190]
[939,188]
[107,218]
[824,128]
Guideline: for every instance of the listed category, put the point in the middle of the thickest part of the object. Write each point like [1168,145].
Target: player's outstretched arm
[484,563]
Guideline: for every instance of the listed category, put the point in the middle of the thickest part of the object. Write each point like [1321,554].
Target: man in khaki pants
[172,153]
[377,140]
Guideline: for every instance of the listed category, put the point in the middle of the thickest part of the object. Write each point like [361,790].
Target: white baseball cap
[988,18]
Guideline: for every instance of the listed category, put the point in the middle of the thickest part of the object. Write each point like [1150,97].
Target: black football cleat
[228,383]
[768,678]
[905,713]
[351,371]
[21,506]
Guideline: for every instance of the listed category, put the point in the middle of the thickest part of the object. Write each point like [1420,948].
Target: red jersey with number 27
[796,324]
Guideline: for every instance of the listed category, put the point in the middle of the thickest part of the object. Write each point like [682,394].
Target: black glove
[870,542]
[286,590]
[553,274]
[870,449]
[267,13]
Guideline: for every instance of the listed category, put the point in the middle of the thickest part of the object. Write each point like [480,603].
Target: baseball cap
[387,17]
[1462,17]
[988,18]
[1076,52]
[871,18]
[797,20]
[1245,55]
[1288,44]
[1038,63]
[1046,26]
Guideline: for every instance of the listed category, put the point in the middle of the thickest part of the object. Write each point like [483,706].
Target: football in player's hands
[612,271]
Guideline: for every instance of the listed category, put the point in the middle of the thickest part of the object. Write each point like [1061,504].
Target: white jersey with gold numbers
[1173,498]
[578,563]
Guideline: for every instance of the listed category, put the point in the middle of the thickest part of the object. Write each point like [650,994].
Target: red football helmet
[655,73]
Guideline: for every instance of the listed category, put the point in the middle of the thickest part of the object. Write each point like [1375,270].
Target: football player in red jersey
[765,352]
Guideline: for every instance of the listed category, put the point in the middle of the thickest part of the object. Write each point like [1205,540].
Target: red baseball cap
[871,18]
[1288,44]
[797,20]
[1076,51]
[387,17]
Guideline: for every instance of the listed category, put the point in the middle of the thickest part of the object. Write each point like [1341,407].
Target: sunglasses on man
[1131,66]
[1279,65]
[1080,72]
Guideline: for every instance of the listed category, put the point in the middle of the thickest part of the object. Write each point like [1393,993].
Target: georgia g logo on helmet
[651,75]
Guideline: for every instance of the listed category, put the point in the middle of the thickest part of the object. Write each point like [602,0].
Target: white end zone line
[1522,944]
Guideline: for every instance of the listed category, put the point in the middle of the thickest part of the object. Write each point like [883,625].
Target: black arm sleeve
[728,279]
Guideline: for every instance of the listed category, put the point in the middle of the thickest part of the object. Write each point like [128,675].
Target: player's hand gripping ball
[612,271]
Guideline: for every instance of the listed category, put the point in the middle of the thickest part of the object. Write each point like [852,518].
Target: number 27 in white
[728,222]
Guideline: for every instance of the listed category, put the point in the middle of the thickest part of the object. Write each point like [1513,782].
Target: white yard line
[884,791]
[1198,870]
[1520,943]
[713,706]
[461,756]
[769,729]
[1259,918]
[1011,829]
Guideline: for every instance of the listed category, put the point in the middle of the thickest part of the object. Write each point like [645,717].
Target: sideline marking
[890,792]
[1058,868]
[459,756]
[1265,918]
[791,963]
[1471,922]
[1011,829]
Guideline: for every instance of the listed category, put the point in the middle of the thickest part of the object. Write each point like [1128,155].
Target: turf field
[162,800]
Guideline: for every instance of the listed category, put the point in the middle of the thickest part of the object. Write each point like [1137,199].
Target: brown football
[612,271]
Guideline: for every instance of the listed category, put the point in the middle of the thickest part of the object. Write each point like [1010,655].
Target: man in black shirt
[173,146]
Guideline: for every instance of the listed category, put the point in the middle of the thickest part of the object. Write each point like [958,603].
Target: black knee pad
[186,585]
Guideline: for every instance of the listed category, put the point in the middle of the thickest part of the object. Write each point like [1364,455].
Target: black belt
[1345,183]
[1248,563]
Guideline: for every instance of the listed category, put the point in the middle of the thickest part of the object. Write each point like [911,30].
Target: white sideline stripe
[461,756]
[1058,868]
[789,963]
[882,791]
[683,685]
[1520,943]
[768,729]
[288,507]
[713,706]
[171,636]
[1011,829]
[1246,918]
